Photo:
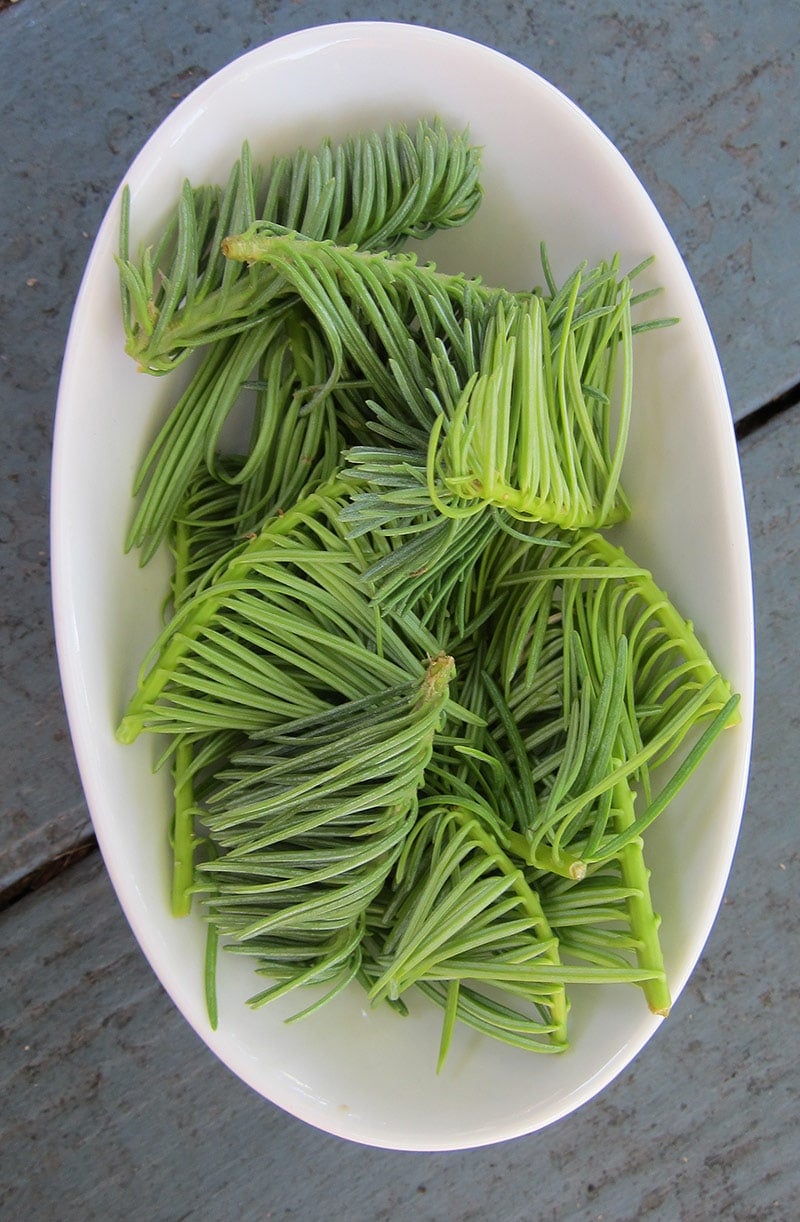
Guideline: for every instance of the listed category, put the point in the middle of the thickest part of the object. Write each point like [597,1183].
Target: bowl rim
[79,715]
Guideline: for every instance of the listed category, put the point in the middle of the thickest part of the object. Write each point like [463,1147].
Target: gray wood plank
[698,98]
[114,1110]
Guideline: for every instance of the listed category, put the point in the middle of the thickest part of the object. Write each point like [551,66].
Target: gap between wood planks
[39,877]
[760,416]
[44,873]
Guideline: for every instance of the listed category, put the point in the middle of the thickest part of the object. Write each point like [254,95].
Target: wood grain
[112,1109]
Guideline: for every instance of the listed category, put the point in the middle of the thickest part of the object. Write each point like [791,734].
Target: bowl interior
[550,175]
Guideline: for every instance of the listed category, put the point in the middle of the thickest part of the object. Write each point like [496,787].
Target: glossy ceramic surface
[549,174]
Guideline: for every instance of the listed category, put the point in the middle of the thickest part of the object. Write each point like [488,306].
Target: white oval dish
[549,174]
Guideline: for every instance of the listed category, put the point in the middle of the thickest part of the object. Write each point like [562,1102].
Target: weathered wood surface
[699,97]
[113,1109]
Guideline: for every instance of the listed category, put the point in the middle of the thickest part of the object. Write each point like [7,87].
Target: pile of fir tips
[412,697]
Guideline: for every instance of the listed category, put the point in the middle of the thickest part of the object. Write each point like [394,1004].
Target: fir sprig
[309,821]
[285,628]
[375,191]
[510,401]
[419,711]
